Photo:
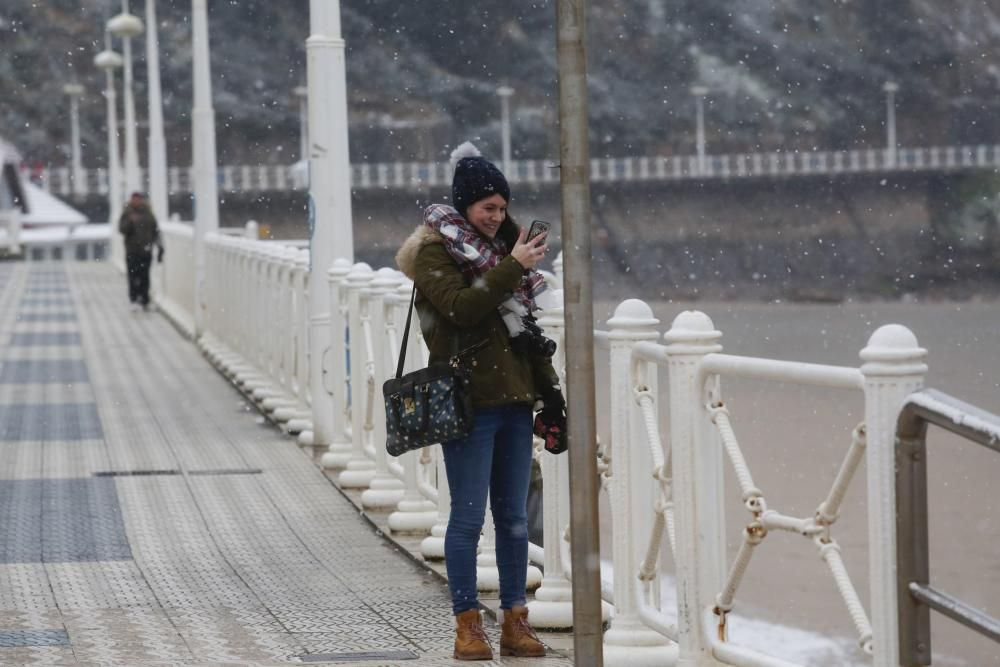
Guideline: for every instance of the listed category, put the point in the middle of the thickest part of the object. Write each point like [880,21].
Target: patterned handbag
[427,406]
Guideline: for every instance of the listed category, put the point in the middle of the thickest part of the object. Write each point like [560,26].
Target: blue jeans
[495,457]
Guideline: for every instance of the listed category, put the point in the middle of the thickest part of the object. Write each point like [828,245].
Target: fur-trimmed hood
[406,258]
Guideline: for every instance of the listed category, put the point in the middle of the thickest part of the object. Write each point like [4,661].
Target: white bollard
[385,489]
[629,641]
[360,470]
[893,368]
[414,513]
[338,452]
[432,546]
[553,603]
[697,467]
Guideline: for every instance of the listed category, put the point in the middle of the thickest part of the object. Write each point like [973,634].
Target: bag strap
[406,337]
[406,334]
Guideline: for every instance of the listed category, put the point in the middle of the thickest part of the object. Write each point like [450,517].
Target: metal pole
[505,92]
[578,302]
[890,89]
[330,228]
[74,90]
[157,144]
[206,187]
[108,60]
[302,93]
[699,93]
[131,136]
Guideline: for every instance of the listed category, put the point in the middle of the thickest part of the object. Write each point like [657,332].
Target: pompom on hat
[475,178]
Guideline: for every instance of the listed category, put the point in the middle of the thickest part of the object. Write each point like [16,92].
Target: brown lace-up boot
[517,637]
[471,642]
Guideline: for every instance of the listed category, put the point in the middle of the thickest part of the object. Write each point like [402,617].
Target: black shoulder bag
[430,405]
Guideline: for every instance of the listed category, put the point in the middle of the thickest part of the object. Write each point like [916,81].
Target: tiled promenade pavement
[148,516]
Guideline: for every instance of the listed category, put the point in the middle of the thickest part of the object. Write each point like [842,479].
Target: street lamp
[699,93]
[302,93]
[157,153]
[126,26]
[75,90]
[505,93]
[109,61]
[890,88]
[331,231]
[206,184]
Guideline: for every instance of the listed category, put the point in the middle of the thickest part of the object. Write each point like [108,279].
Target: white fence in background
[257,331]
[423,175]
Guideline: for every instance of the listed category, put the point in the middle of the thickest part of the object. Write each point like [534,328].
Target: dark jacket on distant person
[138,225]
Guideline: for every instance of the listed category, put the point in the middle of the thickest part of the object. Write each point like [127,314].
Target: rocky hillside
[423,75]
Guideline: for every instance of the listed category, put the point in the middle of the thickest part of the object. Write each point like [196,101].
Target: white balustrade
[386,488]
[660,491]
[360,468]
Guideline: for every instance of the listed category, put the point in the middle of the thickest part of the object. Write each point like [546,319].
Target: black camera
[531,341]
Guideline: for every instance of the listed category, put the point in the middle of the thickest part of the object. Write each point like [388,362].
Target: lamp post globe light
[126,26]
[890,88]
[75,91]
[505,93]
[109,61]
[699,92]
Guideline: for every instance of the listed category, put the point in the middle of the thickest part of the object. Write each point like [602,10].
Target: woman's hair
[508,232]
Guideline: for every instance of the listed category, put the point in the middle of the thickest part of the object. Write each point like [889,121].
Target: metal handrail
[916,598]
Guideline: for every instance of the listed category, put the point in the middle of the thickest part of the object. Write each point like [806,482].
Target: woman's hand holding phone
[529,252]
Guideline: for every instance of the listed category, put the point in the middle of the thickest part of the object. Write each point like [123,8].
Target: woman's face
[486,215]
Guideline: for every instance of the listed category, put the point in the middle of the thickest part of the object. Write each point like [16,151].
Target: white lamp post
[109,61]
[75,90]
[302,94]
[331,232]
[206,185]
[890,88]
[127,26]
[157,152]
[505,93]
[699,93]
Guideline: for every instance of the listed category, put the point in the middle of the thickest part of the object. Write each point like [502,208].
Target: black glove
[550,423]
[550,426]
[159,254]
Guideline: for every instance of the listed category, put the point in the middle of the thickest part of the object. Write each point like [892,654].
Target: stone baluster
[360,469]
[385,489]
[628,641]
[893,369]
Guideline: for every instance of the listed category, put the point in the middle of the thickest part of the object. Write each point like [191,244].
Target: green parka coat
[455,316]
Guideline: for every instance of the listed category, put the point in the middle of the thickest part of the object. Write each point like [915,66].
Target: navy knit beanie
[475,178]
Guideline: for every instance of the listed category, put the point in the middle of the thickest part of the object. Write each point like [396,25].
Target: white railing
[423,175]
[257,330]
[10,230]
[173,279]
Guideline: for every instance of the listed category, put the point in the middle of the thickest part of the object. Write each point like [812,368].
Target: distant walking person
[138,225]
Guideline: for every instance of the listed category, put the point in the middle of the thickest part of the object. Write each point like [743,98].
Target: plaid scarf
[475,255]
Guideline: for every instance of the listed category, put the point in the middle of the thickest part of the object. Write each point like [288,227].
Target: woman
[476,285]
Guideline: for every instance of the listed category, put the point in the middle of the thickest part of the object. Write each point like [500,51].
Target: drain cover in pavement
[358,656]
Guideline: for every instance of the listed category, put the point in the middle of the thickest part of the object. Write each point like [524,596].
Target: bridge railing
[916,597]
[423,175]
[657,486]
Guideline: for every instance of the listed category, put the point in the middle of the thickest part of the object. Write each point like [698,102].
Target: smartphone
[537,227]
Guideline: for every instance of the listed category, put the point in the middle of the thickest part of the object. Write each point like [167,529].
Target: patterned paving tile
[61,520]
[12,638]
[43,371]
[45,338]
[46,317]
[57,421]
